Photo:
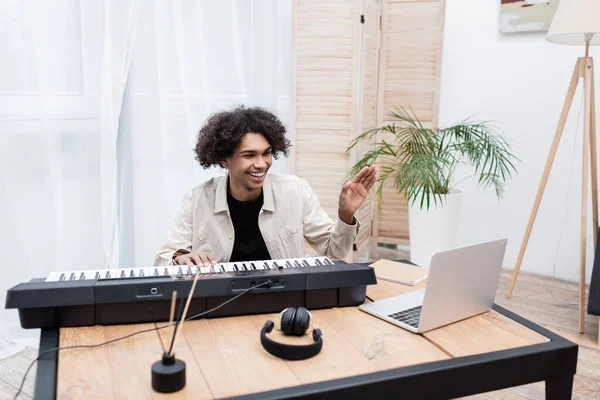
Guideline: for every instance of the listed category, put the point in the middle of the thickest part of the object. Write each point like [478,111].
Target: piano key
[112,273]
[54,276]
[289,264]
[257,266]
[228,267]
[297,264]
[305,262]
[267,265]
[92,274]
[205,270]
[97,275]
[325,261]
[276,264]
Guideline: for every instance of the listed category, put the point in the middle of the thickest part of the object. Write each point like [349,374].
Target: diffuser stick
[187,304]
[173,301]
[177,316]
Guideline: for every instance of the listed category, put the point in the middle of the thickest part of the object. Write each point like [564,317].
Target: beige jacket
[290,214]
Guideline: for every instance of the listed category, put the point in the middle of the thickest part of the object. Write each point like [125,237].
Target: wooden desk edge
[560,353]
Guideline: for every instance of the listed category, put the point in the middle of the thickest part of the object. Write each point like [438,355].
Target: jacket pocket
[292,242]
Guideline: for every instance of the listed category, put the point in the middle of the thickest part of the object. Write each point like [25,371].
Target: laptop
[462,283]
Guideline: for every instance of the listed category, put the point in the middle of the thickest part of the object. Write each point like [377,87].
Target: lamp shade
[575,21]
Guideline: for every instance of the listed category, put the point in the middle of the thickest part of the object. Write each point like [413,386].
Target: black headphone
[293,321]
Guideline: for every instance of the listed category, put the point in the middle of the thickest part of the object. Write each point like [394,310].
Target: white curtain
[190,59]
[100,105]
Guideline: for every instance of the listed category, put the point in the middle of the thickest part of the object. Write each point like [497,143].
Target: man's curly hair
[222,132]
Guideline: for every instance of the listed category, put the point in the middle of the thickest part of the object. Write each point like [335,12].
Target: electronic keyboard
[135,295]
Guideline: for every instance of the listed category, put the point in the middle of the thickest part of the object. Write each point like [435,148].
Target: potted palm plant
[421,163]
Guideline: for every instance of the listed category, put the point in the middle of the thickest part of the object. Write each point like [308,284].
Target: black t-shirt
[249,244]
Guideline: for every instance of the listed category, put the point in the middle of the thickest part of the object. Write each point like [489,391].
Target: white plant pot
[435,229]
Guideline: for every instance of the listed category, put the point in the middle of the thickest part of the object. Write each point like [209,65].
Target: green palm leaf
[421,162]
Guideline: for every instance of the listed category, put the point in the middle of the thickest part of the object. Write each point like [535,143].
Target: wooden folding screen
[352,60]
[334,84]
[409,77]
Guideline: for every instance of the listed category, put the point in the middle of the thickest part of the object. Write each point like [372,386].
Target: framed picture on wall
[526,15]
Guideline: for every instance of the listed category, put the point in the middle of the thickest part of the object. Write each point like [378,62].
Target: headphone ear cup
[316,334]
[287,321]
[269,326]
[301,322]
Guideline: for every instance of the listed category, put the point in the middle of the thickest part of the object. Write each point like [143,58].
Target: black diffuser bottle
[168,374]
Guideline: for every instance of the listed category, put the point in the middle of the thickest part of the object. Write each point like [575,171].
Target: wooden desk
[361,356]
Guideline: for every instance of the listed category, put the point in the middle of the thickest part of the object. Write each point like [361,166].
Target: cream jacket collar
[221,195]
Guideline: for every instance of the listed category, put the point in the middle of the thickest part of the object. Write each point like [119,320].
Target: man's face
[249,164]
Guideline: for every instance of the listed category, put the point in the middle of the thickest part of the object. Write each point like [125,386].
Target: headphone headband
[292,321]
[288,351]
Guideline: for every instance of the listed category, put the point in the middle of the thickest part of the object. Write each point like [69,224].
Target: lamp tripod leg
[594,171]
[593,160]
[587,151]
[549,161]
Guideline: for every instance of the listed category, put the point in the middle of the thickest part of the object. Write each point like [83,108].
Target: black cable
[90,346]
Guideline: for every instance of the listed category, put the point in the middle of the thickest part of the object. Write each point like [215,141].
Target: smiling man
[249,214]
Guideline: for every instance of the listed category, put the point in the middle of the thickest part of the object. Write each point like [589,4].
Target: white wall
[519,81]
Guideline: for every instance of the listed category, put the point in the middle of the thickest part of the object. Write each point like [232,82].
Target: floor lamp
[576,22]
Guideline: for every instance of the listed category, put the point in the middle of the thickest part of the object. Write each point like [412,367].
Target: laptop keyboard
[409,317]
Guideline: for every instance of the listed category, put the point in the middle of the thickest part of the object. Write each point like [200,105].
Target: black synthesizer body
[135,295]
